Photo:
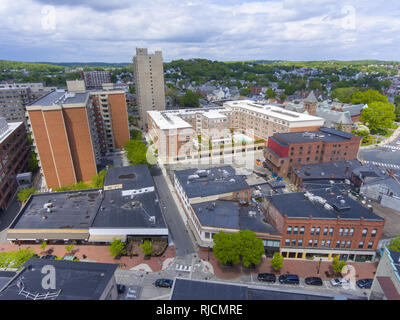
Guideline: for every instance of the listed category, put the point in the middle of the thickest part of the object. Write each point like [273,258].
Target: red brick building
[14,155]
[324,224]
[286,151]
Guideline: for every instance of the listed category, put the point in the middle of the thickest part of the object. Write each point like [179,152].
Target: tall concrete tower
[149,81]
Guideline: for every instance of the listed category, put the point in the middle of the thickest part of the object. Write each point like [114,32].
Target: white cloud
[100,30]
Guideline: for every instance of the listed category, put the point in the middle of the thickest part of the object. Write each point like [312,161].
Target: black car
[314,281]
[121,288]
[364,283]
[267,277]
[289,279]
[49,257]
[164,283]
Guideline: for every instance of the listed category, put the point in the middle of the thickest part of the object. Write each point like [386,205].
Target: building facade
[324,224]
[286,151]
[73,129]
[149,82]
[14,155]
[96,79]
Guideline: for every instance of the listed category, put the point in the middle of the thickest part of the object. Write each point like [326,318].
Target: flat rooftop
[166,120]
[7,129]
[212,181]
[339,169]
[323,134]
[228,214]
[185,289]
[273,111]
[130,177]
[298,205]
[76,280]
[59,97]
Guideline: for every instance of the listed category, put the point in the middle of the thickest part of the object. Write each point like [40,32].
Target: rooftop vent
[252,213]
[152,219]
[328,206]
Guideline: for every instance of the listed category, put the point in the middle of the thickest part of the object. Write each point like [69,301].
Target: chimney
[347,170]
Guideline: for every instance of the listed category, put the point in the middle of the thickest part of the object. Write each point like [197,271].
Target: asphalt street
[177,229]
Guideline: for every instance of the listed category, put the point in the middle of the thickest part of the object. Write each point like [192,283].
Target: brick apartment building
[73,129]
[324,224]
[255,90]
[286,151]
[14,155]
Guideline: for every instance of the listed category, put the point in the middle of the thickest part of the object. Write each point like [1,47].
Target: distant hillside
[30,66]
[89,64]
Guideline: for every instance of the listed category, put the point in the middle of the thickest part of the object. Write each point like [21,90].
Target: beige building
[149,81]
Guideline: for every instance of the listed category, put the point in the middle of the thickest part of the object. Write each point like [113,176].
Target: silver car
[339,282]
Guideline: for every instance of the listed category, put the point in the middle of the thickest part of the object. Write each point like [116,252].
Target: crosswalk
[385,165]
[391,147]
[181,267]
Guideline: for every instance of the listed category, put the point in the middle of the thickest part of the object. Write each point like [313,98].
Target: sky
[225,30]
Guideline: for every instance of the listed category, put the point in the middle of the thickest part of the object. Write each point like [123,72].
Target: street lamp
[319,265]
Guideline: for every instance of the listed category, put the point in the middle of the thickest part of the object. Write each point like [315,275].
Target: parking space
[131,293]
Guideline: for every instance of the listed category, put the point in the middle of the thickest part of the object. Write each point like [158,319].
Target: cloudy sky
[109,31]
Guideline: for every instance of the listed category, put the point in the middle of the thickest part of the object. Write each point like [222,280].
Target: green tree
[277,261]
[344,95]
[225,248]
[98,179]
[270,94]
[338,265]
[245,91]
[136,135]
[315,85]
[367,97]
[136,152]
[147,247]
[68,248]
[117,247]
[394,244]
[282,97]
[251,248]
[43,246]
[33,163]
[15,259]
[378,116]
[24,194]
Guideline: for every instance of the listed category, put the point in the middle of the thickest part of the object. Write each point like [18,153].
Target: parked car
[339,282]
[364,283]
[314,281]
[121,288]
[164,283]
[49,257]
[70,258]
[289,279]
[267,277]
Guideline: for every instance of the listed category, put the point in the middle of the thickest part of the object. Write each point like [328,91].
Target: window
[294,242]
[338,244]
[287,242]
[325,231]
[364,232]
[328,243]
[330,231]
[207,235]
[370,244]
[312,231]
[361,245]
[300,243]
[289,230]
[315,243]
[351,232]
[373,233]
[295,230]
[310,243]
[340,232]
[348,244]
[343,244]
[302,230]
[346,232]
[322,243]
[318,231]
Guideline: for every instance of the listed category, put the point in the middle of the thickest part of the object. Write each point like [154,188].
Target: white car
[398,142]
[339,282]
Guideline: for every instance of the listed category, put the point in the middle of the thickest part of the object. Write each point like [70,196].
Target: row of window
[326,243]
[345,232]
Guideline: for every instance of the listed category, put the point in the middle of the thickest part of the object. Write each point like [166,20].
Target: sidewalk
[303,268]
[100,254]
[393,137]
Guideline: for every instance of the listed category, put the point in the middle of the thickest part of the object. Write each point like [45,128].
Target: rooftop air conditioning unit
[152,219]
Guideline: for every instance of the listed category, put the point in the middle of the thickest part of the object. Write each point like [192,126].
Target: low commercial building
[286,151]
[74,280]
[14,156]
[126,207]
[324,224]
[386,285]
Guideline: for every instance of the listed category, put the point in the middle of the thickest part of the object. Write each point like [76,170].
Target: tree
[367,97]
[136,152]
[245,91]
[277,261]
[282,97]
[270,94]
[24,194]
[315,85]
[33,163]
[251,248]
[147,247]
[98,179]
[394,244]
[338,265]
[378,116]
[226,249]
[43,246]
[117,247]
[69,247]
[344,95]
